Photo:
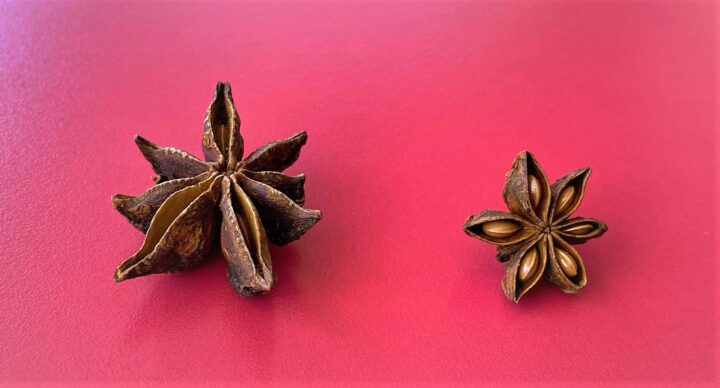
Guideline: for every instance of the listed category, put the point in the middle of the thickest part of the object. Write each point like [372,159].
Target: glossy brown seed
[534,189]
[567,263]
[500,228]
[579,229]
[528,265]
[564,199]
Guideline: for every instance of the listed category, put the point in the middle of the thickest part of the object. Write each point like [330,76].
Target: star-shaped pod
[535,237]
[240,203]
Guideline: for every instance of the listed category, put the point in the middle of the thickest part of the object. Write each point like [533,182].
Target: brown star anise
[535,237]
[243,203]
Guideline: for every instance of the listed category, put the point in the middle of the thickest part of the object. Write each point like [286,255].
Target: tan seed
[528,265]
[500,228]
[567,263]
[534,189]
[564,199]
[579,229]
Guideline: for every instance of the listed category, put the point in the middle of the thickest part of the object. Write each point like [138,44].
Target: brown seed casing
[512,284]
[579,230]
[533,239]
[498,228]
[565,267]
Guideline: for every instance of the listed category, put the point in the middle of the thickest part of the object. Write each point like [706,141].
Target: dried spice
[241,203]
[535,237]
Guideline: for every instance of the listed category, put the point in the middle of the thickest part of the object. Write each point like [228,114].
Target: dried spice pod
[180,234]
[499,228]
[141,209]
[243,242]
[284,220]
[534,238]
[567,193]
[241,205]
[579,230]
[527,191]
[292,186]
[565,267]
[170,163]
[222,142]
[278,155]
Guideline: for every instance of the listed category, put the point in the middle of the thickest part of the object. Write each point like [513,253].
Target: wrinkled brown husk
[283,219]
[222,142]
[170,163]
[276,156]
[141,209]
[177,239]
[243,242]
[292,186]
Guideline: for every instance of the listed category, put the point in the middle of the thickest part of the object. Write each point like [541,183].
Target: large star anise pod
[241,203]
[534,238]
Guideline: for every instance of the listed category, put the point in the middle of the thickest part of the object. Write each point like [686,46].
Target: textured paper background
[415,112]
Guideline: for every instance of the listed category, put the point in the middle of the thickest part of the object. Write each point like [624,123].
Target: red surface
[414,112]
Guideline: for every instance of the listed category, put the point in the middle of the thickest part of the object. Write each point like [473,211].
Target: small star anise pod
[241,203]
[535,237]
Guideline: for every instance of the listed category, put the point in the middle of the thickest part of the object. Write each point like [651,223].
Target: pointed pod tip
[301,137]
[603,228]
[468,221]
[253,291]
[525,154]
[514,298]
[521,158]
[118,276]
[119,200]
[257,287]
[222,88]
[144,144]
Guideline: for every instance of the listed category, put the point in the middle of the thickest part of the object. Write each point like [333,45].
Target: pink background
[414,112]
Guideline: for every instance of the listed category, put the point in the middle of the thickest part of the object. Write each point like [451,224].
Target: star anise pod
[241,203]
[535,237]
